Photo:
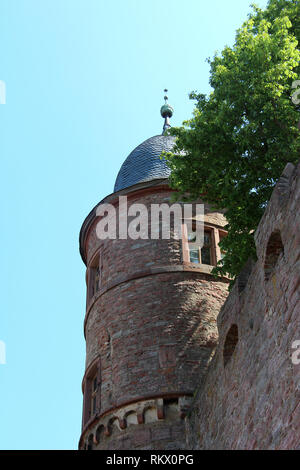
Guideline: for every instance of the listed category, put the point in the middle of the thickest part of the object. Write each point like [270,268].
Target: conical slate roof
[144,162]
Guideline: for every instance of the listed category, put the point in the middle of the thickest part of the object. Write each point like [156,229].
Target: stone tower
[150,323]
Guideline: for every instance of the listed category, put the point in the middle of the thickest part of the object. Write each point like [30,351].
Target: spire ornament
[166,112]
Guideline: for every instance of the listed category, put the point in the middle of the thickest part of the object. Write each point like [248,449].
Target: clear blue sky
[84,85]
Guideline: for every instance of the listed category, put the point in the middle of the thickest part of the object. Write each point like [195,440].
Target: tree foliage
[241,136]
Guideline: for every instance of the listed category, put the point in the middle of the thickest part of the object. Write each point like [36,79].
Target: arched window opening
[90,442]
[274,250]
[94,390]
[99,433]
[230,344]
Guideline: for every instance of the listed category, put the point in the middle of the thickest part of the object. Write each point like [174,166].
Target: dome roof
[144,162]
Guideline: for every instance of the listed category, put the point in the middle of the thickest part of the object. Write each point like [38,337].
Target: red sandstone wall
[253,402]
[154,335]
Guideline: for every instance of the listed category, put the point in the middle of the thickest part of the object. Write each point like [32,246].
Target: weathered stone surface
[253,402]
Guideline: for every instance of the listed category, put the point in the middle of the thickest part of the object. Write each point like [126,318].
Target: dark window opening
[230,344]
[206,249]
[171,401]
[90,442]
[92,393]
[94,277]
[274,250]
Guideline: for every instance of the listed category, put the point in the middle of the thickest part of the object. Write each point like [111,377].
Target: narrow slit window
[230,344]
[94,276]
[94,395]
[96,280]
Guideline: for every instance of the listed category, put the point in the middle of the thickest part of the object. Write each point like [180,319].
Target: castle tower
[150,323]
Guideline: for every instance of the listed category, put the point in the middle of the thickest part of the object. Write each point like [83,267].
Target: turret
[152,303]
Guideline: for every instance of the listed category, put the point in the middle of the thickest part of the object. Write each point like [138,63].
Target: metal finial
[167,112]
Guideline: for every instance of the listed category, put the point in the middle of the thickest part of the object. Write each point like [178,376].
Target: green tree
[241,136]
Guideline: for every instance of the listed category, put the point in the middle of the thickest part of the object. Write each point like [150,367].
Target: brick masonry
[253,401]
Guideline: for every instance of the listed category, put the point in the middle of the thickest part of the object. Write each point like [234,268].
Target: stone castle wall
[250,397]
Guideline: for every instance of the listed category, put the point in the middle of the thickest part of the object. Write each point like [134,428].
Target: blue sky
[84,85]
